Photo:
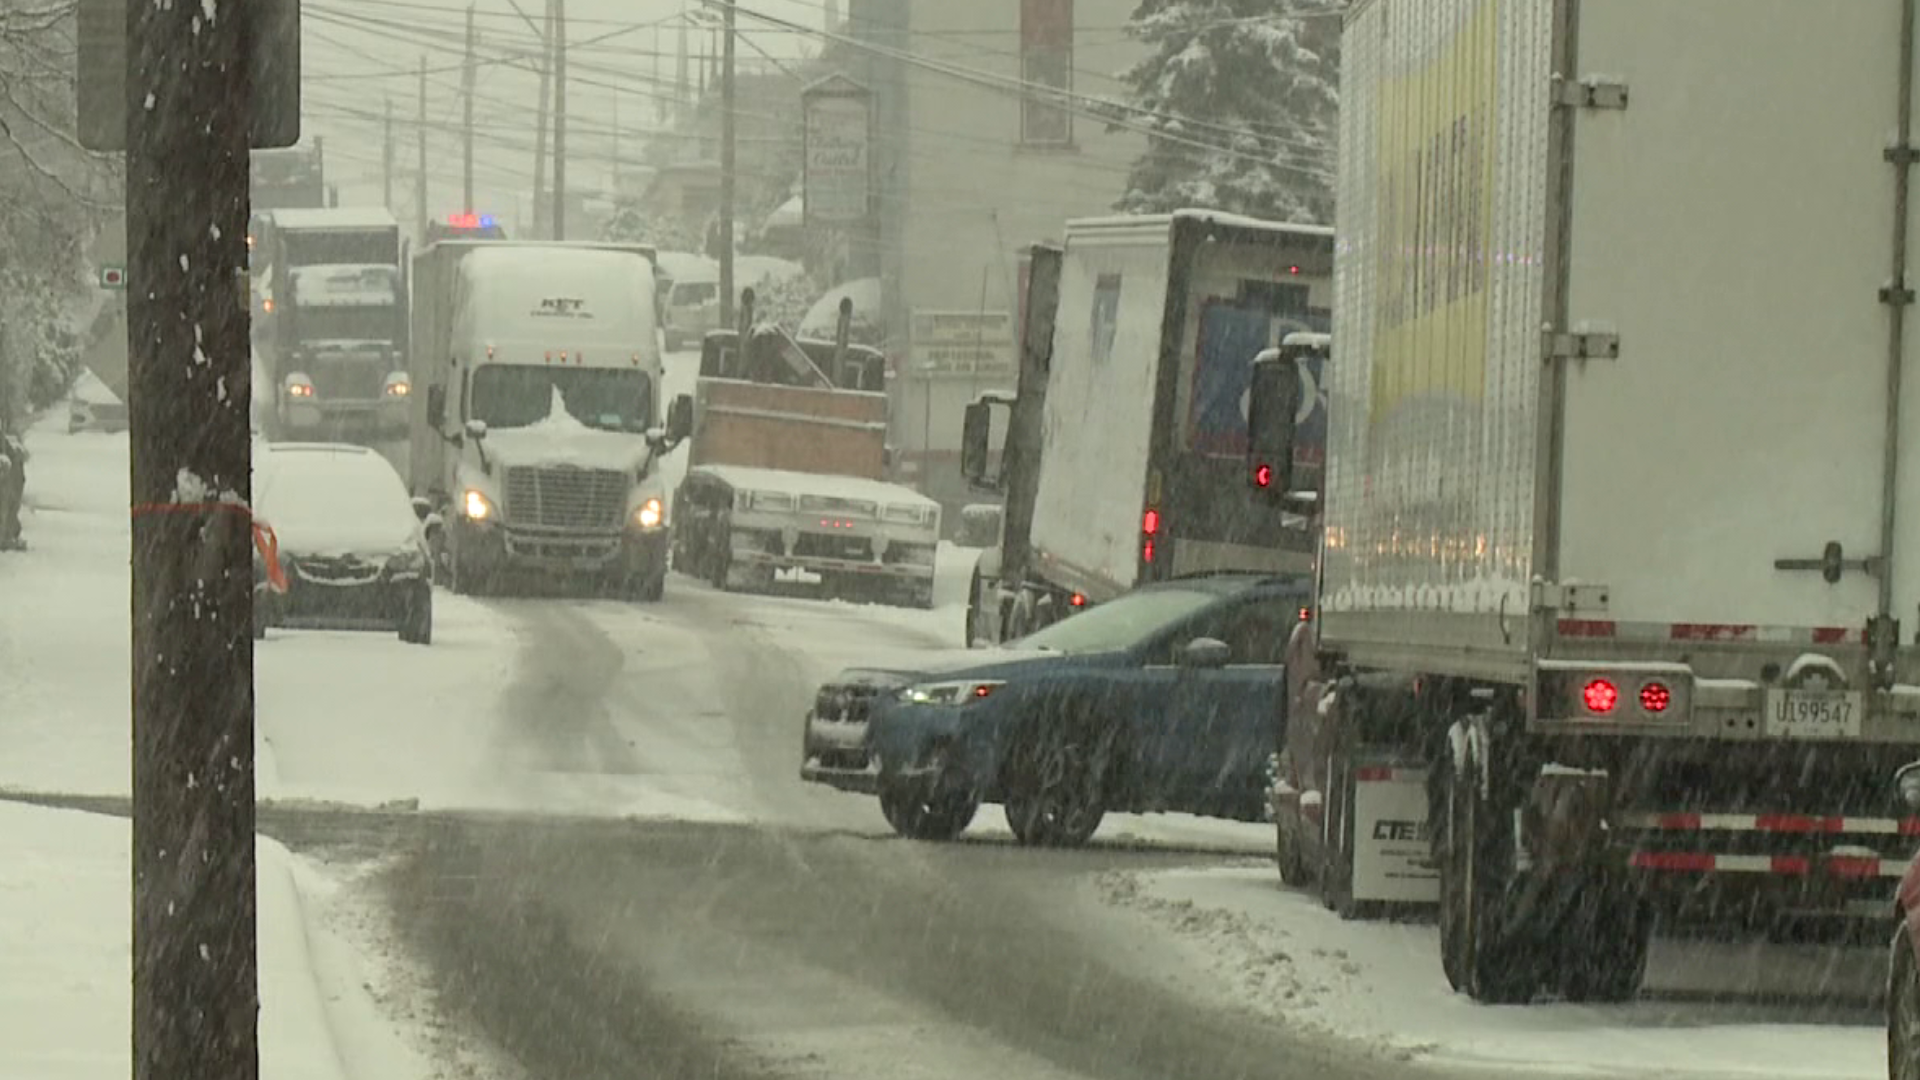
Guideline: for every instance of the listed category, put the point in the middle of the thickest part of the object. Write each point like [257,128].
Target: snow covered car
[352,545]
[92,406]
[1168,698]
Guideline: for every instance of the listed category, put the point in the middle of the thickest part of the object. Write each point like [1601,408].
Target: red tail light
[1600,696]
[1263,476]
[1150,522]
[1077,600]
[1655,697]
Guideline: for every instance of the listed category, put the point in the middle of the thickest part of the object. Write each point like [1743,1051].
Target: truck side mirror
[976,433]
[680,418]
[436,406]
[1273,406]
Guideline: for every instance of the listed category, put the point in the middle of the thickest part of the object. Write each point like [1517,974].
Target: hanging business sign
[837,178]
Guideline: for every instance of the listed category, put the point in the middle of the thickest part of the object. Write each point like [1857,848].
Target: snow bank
[65,919]
[1237,934]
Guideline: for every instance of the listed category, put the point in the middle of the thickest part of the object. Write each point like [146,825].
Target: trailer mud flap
[1392,860]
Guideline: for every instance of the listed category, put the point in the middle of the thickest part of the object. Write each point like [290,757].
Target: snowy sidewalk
[65,989]
[1237,934]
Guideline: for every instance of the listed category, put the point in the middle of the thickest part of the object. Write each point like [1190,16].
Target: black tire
[719,560]
[1604,957]
[653,587]
[1055,784]
[1287,857]
[1480,953]
[1334,880]
[974,600]
[416,618]
[1903,1007]
[918,815]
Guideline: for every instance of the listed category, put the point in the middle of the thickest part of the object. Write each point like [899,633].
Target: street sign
[113,276]
[102,61]
[962,343]
[836,186]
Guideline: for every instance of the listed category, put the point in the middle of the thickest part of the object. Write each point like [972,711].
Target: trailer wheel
[1335,880]
[1604,950]
[1477,945]
[1056,782]
[719,560]
[1287,856]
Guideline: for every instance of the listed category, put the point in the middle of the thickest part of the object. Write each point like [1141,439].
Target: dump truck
[784,475]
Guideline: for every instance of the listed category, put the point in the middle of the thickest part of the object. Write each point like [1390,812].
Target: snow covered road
[625,784]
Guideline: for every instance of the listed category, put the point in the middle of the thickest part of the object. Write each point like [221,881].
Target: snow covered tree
[53,196]
[633,223]
[1238,101]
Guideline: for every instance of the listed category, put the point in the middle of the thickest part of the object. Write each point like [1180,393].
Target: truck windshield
[344,323]
[1121,623]
[610,399]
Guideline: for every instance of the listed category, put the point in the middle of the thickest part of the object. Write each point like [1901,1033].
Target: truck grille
[846,703]
[566,498]
[336,379]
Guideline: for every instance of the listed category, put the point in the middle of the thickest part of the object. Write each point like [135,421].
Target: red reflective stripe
[1791,864]
[1709,631]
[1672,860]
[1853,866]
[1372,773]
[1678,821]
[1798,823]
[1587,628]
[1910,826]
[1829,635]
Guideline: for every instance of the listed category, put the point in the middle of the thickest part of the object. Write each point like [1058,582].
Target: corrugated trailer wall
[1438,305]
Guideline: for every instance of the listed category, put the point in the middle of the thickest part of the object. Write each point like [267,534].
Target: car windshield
[611,399]
[1120,624]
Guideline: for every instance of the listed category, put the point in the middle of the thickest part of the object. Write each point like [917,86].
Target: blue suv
[1169,698]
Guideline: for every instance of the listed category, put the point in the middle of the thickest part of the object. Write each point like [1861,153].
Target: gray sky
[361,54]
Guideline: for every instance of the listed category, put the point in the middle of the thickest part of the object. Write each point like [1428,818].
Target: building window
[1046,64]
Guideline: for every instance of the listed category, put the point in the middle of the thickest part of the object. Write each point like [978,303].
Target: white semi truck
[1617,493]
[540,425]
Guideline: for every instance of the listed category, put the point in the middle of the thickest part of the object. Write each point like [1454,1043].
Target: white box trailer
[1623,471]
[1142,462]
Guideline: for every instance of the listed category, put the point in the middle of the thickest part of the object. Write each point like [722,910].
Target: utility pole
[466,91]
[386,160]
[420,181]
[540,136]
[559,119]
[195,960]
[726,169]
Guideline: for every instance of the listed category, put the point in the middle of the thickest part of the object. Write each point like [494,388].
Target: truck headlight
[964,692]
[299,386]
[903,514]
[649,515]
[398,386]
[475,506]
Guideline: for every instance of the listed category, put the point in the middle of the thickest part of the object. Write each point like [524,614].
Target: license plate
[1814,714]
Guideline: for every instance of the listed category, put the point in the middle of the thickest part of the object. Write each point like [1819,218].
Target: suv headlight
[963,692]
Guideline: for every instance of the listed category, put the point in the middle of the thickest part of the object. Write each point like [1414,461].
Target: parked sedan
[1169,698]
[352,545]
[1903,972]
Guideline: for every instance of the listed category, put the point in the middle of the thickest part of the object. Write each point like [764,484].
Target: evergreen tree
[1239,99]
